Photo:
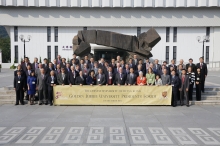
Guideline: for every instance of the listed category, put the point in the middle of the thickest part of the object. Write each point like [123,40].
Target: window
[16,54]
[56,51]
[84,28]
[167,34]
[174,53]
[48,34]
[15,33]
[175,34]
[207,55]
[56,34]
[167,53]
[208,32]
[49,53]
[138,31]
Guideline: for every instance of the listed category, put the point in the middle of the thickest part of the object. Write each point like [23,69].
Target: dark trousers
[203,85]
[198,92]
[50,96]
[190,92]
[43,96]
[19,96]
[183,94]
[174,97]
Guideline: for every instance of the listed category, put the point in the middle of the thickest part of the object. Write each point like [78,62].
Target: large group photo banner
[112,95]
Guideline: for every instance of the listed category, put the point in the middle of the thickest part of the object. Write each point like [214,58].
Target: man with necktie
[184,87]
[35,64]
[58,70]
[126,71]
[51,82]
[120,78]
[80,80]
[135,60]
[116,70]
[42,87]
[157,67]
[19,87]
[91,64]
[192,65]
[131,78]
[72,76]
[204,72]
[76,62]
[110,77]
[100,78]
[62,78]
[175,87]
[173,64]
[25,64]
[101,64]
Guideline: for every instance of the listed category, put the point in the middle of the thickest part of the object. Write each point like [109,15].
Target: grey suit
[165,79]
[100,79]
[42,88]
[183,86]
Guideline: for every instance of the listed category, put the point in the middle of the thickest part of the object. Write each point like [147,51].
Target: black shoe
[174,105]
[187,105]
[16,103]
[22,103]
[51,104]
[40,103]
[46,103]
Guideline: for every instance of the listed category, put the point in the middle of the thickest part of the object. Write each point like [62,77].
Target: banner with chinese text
[112,95]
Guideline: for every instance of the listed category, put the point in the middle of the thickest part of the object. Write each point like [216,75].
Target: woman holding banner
[141,80]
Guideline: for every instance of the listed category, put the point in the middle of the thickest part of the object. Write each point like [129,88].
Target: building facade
[52,24]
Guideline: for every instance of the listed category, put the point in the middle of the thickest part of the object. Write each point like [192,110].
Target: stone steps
[205,102]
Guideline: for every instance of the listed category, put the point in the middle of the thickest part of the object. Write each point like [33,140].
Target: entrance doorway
[108,54]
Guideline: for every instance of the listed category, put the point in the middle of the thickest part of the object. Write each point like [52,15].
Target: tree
[5,47]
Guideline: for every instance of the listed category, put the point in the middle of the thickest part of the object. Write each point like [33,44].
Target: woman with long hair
[191,81]
[150,77]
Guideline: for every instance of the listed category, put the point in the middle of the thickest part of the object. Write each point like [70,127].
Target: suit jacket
[100,80]
[21,85]
[91,65]
[120,80]
[76,61]
[165,79]
[108,80]
[131,81]
[41,82]
[22,73]
[24,67]
[49,82]
[175,83]
[157,69]
[185,84]
[126,72]
[136,62]
[203,70]
[33,66]
[60,79]
[71,79]
[171,65]
[143,81]
[193,67]
[90,80]
[79,80]
[101,65]
[63,65]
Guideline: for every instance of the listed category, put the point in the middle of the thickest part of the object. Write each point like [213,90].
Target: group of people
[41,77]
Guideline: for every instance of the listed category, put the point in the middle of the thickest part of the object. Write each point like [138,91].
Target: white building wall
[187,45]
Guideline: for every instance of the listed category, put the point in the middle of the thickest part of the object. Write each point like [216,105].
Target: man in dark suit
[80,80]
[184,87]
[55,64]
[131,78]
[72,76]
[67,69]
[157,67]
[204,72]
[86,60]
[126,71]
[76,60]
[175,87]
[135,60]
[19,69]
[50,68]
[46,66]
[25,64]
[63,63]
[51,82]
[193,66]
[19,86]
[91,64]
[59,60]
[62,78]
[140,68]
[35,64]
[168,69]
[131,65]
[116,70]
[110,77]
[42,87]
[112,64]
[100,78]
[101,64]
[173,64]
[120,78]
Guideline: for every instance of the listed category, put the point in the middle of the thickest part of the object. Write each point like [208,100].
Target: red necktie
[183,78]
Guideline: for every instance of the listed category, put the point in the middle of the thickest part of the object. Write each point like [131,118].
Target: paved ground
[109,125]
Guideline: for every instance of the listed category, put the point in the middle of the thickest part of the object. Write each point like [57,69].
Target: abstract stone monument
[141,45]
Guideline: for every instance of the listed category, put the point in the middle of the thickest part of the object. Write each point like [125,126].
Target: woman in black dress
[198,84]
[191,81]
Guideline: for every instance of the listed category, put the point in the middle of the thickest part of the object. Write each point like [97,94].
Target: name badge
[172,84]
[198,78]
[33,82]
[52,82]
[110,77]
[19,82]
[121,78]
[98,80]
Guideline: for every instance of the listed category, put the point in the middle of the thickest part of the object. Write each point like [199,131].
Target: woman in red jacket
[141,80]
